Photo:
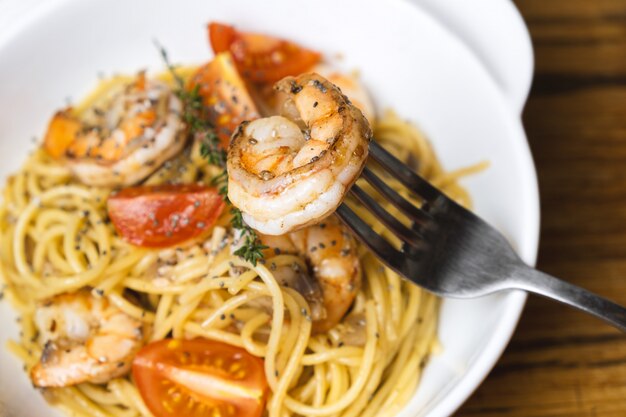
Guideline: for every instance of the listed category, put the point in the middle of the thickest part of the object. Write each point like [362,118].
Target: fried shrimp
[288,173]
[331,277]
[121,139]
[85,339]
[352,87]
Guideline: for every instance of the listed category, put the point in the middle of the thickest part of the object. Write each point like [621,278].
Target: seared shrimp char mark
[123,138]
[285,174]
[333,276]
[85,339]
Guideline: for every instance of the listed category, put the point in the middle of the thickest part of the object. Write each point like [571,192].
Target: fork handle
[535,281]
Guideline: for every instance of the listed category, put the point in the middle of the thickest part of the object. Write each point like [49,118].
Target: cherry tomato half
[164,215]
[261,58]
[224,94]
[200,377]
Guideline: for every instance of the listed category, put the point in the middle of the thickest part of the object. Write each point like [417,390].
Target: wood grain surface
[562,362]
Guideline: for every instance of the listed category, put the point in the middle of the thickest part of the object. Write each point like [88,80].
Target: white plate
[407,60]
[495,32]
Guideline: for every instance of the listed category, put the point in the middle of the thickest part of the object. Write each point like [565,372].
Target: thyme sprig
[210,149]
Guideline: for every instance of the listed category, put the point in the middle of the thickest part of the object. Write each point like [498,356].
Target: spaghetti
[55,237]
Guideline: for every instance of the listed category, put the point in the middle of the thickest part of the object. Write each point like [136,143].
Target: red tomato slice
[224,95]
[200,377]
[164,215]
[261,58]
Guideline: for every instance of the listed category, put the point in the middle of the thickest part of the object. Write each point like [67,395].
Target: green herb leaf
[210,150]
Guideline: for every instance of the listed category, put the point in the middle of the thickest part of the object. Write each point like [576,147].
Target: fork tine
[407,235]
[383,249]
[403,173]
[420,217]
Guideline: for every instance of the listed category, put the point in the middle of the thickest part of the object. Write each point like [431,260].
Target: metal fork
[450,251]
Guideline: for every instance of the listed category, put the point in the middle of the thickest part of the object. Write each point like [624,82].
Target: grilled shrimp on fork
[285,174]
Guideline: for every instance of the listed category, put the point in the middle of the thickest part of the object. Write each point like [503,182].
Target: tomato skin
[192,377]
[221,37]
[225,96]
[164,215]
[261,58]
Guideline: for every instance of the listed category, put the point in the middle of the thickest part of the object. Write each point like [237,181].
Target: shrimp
[333,276]
[284,176]
[124,138]
[351,86]
[85,339]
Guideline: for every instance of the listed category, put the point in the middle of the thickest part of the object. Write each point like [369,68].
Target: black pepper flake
[77,247]
[295,87]
[340,344]
[99,291]
[313,249]
[232,316]
[315,159]
[120,364]
[272,267]
[322,225]
[223,317]
[315,104]
[221,284]
[322,246]
[377,335]
[333,243]
[276,373]
[345,252]
[276,251]
[318,84]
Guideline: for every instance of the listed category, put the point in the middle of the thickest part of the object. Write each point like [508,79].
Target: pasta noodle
[55,237]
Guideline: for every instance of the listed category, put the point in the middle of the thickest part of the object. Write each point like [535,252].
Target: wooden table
[562,362]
